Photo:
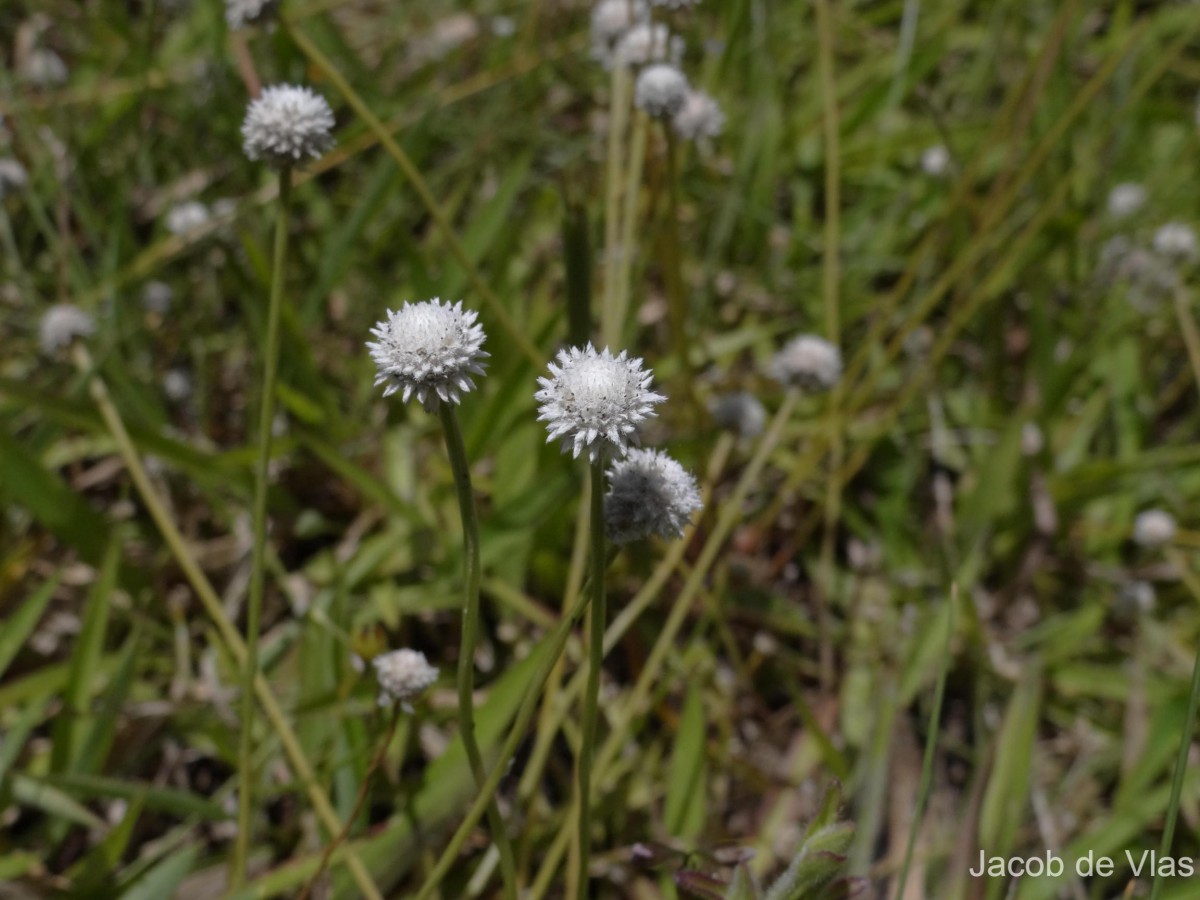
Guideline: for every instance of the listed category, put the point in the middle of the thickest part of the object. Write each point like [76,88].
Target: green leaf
[685,802]
[20,624]
[164,879]
[1007,793]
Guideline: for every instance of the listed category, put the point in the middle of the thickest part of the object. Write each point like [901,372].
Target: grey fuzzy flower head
[699,117]
[43,68]
[1176,241]
[157,297]
[185,217]
[1153,528]
[13,176]
[740,412]
[661,90]
[1134,599]
[594,400]
[645,43]
[428,350]
[610,20]
[809,362]
[287,123]
[240,13]
[403,675]
[935,161]
[62,324]
[649,495]
[1125,199]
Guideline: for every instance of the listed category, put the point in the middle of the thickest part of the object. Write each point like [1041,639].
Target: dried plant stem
[457,451]
[301,767]
[633,184]
[591,697]
[359,800]
[258,566]
[618,118]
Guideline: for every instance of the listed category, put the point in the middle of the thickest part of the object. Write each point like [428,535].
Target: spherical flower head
[699,118]
[240,13]
[1176,241]
[285,124]
[186,217]
[594,400]
[403,675]
[649,495]
[661,90]
[1125,199]
[62,324]
[428,350]
[610,20]
[43,68]
[1134,600]
[1153,528]
[13,176]
[935,161]
[645,43]
[741,412]
[157,297]
[808,362]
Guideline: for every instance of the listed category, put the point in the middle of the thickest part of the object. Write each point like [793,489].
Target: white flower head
[157,297]
[428,350]
[1125,199]
[610,20]
[661,90]
[287,123]
[593,400]
[741,412]
[1134,599]
[62,324]
[650,495]
[1176,241]
[43,68]
[935,161]
[809,362]
[186,217]
[177,385]
[403,675]
[240,13]
[13,176]
[1153,528]
[699,117]
[645,43]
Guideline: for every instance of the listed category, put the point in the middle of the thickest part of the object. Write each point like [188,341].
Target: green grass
[795,640]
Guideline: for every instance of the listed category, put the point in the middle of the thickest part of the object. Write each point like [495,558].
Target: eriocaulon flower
[741,412]
[428,350]
[1153,528]
[649,495]
[285,124]
[661,90]
[593,400]
[403,675]
[62,324]
[699,118]
[808,362]
[240,13]
[647,42]
[610,20]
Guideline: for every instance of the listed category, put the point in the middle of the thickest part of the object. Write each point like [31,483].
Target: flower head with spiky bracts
[1153,528]
[650,495]
[699,118]
[287,123]
[594,400]
[428,350]
[808,362]
[610,20]
[240,13]
[403,675]
[661,90]
[62,324]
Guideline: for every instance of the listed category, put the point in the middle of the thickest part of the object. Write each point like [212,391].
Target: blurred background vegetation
[1016,392]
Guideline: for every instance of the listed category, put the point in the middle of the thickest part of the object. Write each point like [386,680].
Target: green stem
[591,698]
[266,415]
[236,648]
[618,115]
[516,734]
[457,451]
[633,184]
[930,745]
[673,269]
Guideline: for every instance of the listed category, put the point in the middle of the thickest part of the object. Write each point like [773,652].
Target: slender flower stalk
[591,698]
[457,451]
[266,415]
